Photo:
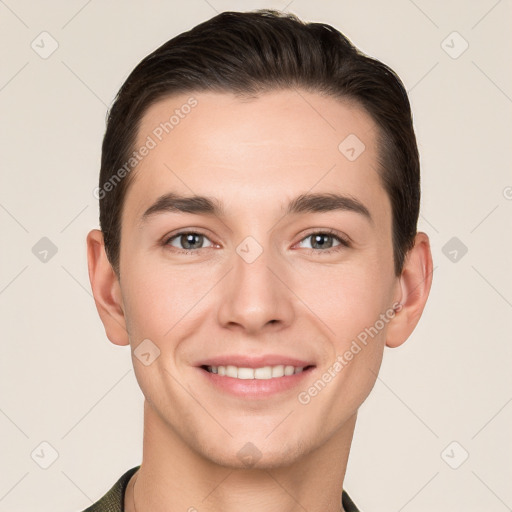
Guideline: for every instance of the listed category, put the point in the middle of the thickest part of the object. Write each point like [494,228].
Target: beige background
[63,383]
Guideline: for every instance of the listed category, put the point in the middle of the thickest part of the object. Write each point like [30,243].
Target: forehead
[249,150]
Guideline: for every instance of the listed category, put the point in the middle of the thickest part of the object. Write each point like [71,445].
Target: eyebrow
[304,203]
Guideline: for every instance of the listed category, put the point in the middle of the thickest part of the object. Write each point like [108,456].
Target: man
[259,196]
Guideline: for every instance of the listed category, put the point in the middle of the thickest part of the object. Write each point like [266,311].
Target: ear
[414,287]
[106,289]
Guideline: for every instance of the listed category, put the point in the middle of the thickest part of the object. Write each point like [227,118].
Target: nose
[255,297]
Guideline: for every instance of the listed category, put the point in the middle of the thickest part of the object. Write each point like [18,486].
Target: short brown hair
[247,53]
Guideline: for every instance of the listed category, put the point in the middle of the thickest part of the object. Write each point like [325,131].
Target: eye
[188,241]
[325,242]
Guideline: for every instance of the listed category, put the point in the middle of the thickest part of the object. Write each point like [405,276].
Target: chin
[256,455]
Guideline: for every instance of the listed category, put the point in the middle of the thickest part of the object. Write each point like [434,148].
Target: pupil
[188,240]
[318,239]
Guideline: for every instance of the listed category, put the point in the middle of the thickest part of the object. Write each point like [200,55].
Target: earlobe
[106,289]
[415,284]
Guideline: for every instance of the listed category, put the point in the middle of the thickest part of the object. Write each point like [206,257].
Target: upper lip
[245,361]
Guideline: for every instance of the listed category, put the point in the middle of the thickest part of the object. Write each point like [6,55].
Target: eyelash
[344,242]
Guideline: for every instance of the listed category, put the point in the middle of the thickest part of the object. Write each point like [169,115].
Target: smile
[262,373]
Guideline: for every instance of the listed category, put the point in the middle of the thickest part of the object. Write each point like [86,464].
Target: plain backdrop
[435,432]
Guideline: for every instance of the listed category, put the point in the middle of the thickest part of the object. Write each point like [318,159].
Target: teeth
[263,373]
[278,371]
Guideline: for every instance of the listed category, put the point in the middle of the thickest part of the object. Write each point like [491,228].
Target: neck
[173,477]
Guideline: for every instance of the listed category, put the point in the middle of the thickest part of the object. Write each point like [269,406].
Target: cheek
[346,299]
[160,306]
[352,305]
[351,302]
[158,296]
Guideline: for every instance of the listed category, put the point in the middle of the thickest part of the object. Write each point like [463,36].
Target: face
[257,274]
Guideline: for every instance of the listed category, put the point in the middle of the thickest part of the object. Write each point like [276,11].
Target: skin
[254,155]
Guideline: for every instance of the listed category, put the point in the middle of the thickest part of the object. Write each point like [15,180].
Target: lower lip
[256,388]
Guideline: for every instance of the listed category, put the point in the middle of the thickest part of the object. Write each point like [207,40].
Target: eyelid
[342,237]
[343,245]
[196,231]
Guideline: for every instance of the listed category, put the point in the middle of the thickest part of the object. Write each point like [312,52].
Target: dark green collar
[113,501]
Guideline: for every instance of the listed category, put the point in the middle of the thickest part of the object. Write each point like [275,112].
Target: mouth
[263,382]
[261,373]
